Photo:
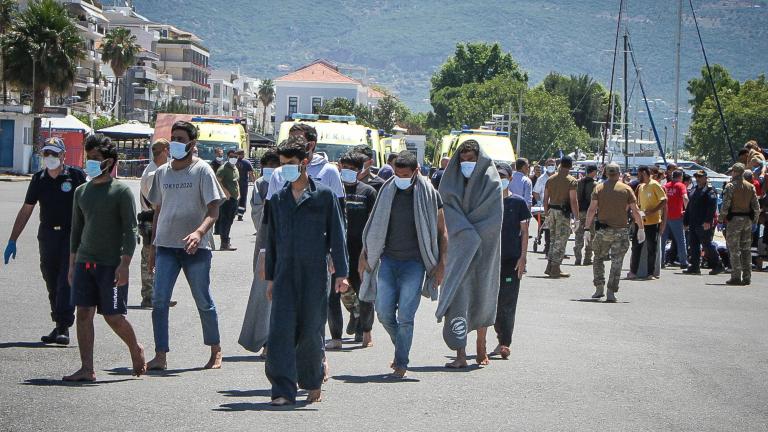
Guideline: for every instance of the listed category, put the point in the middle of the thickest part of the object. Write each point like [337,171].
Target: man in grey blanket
[471,193]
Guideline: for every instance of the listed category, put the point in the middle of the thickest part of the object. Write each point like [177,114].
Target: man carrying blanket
[471,191]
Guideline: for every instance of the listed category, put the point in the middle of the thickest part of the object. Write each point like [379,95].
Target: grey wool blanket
[425,209]
[473,214]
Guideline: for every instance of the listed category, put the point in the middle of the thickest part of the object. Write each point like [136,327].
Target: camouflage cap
[738,167]
[612,168]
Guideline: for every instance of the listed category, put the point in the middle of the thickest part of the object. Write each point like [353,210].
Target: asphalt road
[680,353]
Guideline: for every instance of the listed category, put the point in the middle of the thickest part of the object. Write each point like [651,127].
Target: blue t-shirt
[515,212]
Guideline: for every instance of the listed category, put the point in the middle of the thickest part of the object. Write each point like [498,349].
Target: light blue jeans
[676,230]
[197,269]
[397,299]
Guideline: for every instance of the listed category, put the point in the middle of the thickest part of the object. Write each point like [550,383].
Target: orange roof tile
[373,93]
[319,71]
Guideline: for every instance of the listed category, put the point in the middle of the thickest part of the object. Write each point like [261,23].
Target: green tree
[42,51]
[344,106]
[548,126]
[587,99]
[745,108]
[8,11]
[701,89]
[388,113]
[266,94]
[119,49]
[467,72]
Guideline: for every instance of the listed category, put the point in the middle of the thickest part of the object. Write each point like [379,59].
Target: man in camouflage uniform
[740,209]
[584,197]
[610,202]
[561,206]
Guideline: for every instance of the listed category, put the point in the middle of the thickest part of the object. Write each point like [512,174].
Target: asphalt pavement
[683,353]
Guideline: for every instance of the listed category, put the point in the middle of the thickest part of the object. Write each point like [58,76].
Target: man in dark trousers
[305,225]
[584,196]
[246,175]
[365,175]
[700,222]
[54,188]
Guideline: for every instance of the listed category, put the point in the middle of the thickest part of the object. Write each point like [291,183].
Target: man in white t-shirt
[159,157]
[186,196]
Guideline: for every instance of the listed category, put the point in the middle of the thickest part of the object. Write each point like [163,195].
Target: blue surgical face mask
[403,183]
[291,172]
[550,169]
[504,183]
[267,173]
[93,168]
[348,175]
[178,150]
[467,168]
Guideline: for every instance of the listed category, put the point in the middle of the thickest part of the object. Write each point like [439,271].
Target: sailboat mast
[676,116]
[624,117]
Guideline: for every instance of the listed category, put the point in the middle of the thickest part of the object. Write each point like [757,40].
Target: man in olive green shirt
[101,247]
[228,177]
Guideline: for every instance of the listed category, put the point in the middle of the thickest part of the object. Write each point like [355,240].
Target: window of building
[217,90]
[293,104]
[317,102]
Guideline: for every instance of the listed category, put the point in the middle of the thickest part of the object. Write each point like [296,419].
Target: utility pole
[676,121]
[626,106]
[519,122]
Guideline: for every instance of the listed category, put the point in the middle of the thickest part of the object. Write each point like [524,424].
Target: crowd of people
[335,236]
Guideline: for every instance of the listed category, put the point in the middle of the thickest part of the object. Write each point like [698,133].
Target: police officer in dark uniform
[54,188]
[700,221]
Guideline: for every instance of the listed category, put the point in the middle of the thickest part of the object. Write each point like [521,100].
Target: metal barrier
[131,167]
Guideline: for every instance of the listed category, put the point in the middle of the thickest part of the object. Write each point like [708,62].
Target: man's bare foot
[82,375]
[504,351]
[392,365]
[459,363]
[281,401]
[367,340]
[215,361]
[326,370]
[482,359]
[482,355]
[159,363]
[138,360]
[399,372]
[315,396]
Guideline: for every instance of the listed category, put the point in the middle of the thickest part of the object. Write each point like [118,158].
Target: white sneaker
[333,345]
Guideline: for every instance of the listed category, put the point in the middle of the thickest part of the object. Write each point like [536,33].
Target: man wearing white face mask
[268,162]
[404,239]
[228,176]
[53,187]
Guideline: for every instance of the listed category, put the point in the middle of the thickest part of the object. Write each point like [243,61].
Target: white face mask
[550,169]
[178,150]
[504,183]
[291,172]
[348,175]
[403,183]
[233,161]
[467,168]
[52,162]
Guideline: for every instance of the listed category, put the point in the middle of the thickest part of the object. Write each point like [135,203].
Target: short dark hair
[747,175]
[469,146]
[521,163]
[743,151]
[644,169]
[293,147]
[188,127]
[391,157]
[677,173]
[354,159]
[103,145]
[591,168]
[310,133]
[230,151]
[686,177]
[364,150]
[270,156]
[406,159]
[566,162]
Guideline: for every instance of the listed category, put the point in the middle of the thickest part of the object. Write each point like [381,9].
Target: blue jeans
[675,229]
[397,299]
[197,269]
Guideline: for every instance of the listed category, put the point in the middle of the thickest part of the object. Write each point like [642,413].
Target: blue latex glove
[10,250]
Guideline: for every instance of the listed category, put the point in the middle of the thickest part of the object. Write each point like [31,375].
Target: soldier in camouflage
[740,210]
[610,202]
[562,208]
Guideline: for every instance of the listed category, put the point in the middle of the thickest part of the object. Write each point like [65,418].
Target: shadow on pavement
[591,300]
[31,345]
[377,379]
[46,382]
[236,359]
[264,406]
[469,368]
[246,393]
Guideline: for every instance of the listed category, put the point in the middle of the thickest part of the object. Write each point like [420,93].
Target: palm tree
[266,97]
[42,51]
[119,49]
[8,10]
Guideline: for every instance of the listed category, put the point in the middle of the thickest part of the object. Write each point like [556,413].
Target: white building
[222,101]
